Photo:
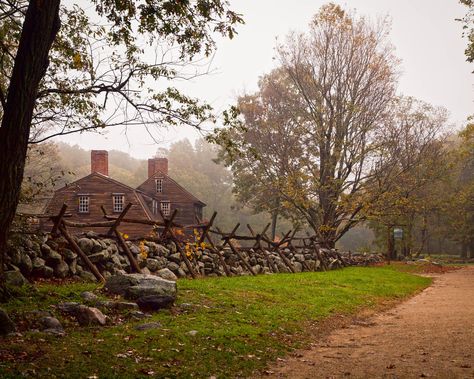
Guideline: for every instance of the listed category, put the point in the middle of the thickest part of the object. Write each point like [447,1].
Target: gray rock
[172,247]
[134,286]
[181,273]
[69,255]
[15,278]
[89,296]
[207,258]
[38,263]
[173,267]
[119,271]
[6,324]
[154,302]
[26,265]
[68,307]
[99,257]
[52,258]
[61,270]
[134,249]
[97,246]
[153,264]
[85,244]
[115,259]
[298,266]
[15,254]
[36,247]
[51,325]
[112,248]
[52,244]
[192,333]
[45,249]
[163,251]
[299,257]
[157,249]
[124,305]
[139,314]
[167,274]
[47,272]
[175,258]
[146,271]
[148,326]
[89,316]
[87,276]
[73,267]
[91,234]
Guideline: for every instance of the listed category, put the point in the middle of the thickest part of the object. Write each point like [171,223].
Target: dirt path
[430,335]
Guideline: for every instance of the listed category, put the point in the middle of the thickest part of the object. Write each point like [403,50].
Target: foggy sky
[425,34]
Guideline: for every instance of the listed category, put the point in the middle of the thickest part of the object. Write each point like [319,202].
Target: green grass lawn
[243,323]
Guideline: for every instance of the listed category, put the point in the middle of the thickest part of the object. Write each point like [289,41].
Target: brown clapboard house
[85,197]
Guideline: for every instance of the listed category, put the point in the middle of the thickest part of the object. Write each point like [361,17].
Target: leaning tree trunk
[38,33]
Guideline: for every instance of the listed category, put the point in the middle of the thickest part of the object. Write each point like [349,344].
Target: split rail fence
[203,232]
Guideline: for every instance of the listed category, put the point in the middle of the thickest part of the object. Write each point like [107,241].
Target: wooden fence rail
[202,231]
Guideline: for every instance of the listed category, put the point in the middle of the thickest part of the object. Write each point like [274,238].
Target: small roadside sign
[398,233]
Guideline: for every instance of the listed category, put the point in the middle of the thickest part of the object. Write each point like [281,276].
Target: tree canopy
[68,68]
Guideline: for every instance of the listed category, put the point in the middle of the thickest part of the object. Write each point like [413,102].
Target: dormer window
[118,201]
[159,185]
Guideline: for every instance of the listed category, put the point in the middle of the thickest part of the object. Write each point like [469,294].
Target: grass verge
[242,324]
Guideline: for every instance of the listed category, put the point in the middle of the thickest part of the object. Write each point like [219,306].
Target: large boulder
[135,286]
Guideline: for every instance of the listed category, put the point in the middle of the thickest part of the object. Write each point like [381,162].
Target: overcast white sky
[424,32]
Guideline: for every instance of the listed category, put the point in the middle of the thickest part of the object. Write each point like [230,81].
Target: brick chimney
[100,162]
[157,164]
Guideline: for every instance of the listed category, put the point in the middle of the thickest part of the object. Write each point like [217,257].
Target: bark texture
[39,31]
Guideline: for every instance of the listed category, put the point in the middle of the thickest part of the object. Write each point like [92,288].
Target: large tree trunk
[39,31]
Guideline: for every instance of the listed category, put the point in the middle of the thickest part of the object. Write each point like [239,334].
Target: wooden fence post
[227,240]
[75,247]
[113,229]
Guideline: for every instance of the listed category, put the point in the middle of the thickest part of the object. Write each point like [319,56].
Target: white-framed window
[166,208]
[118,201]
[154,207]
[83,204]
[159,185]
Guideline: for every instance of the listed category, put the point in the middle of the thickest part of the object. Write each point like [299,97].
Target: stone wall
[40,256]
